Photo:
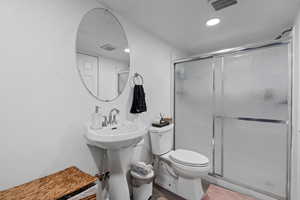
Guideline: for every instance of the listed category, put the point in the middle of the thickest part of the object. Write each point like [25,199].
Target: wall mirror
[103,54]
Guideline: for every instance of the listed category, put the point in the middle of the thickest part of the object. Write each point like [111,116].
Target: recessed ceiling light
[213,22]
[127,50]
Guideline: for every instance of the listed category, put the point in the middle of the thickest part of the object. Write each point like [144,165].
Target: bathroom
[180,58]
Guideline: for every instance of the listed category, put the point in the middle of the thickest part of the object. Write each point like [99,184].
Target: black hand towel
[139,102]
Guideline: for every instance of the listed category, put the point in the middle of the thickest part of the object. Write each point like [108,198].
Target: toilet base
[190,188]
[187,188]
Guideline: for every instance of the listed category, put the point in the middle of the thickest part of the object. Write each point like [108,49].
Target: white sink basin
[119,136]
[118,141]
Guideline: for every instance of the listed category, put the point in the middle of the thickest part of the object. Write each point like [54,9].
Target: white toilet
[185,167]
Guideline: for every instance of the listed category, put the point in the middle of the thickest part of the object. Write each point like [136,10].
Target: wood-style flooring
[213,193]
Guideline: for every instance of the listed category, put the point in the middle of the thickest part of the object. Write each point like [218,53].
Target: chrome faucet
[112,118]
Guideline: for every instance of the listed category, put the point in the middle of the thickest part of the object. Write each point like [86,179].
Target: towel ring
[137,77]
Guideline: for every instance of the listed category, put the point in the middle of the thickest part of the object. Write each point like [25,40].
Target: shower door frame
[289,145]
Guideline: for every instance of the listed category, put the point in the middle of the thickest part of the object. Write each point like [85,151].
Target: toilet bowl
[186,167]
[189,164]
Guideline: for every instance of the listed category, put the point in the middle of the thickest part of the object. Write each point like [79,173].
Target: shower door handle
[253,119]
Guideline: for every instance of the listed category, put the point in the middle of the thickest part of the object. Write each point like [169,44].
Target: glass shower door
[194,106]
[253,125]
[235,109]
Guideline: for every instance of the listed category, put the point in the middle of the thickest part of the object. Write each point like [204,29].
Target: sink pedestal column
[119,163]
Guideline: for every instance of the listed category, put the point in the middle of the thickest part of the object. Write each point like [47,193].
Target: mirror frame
[78,70]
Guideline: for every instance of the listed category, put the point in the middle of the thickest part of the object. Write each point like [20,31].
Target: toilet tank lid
[162,129]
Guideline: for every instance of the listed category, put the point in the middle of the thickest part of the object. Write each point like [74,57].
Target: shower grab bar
[254,119]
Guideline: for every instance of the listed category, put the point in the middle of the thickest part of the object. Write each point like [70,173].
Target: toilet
[181,170]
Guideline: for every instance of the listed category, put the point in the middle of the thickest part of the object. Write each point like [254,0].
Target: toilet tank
[161,139]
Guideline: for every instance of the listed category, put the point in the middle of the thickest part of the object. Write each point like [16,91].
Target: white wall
[43,104]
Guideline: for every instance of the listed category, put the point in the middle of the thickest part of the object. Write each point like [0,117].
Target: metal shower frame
[289,144]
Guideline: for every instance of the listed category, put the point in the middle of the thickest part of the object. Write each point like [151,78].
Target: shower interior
[235,108]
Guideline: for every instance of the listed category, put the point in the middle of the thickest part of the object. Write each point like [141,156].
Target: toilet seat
[189,164]
[189,158]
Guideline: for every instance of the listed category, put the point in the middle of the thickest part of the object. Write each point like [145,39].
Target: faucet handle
[105,121]
[114,120]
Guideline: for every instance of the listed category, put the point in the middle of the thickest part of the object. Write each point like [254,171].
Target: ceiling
[182,22]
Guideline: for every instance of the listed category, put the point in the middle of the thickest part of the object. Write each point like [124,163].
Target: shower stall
[234,106]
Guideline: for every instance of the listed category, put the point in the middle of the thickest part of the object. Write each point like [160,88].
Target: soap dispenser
[96,119]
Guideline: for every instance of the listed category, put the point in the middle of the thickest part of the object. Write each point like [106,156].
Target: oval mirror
[103,59]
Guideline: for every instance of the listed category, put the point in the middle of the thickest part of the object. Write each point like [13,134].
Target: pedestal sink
[118,140]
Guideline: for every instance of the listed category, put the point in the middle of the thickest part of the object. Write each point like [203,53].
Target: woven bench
[53,187]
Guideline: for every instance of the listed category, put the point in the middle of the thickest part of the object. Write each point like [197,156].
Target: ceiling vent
[221,4]
[108,47]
